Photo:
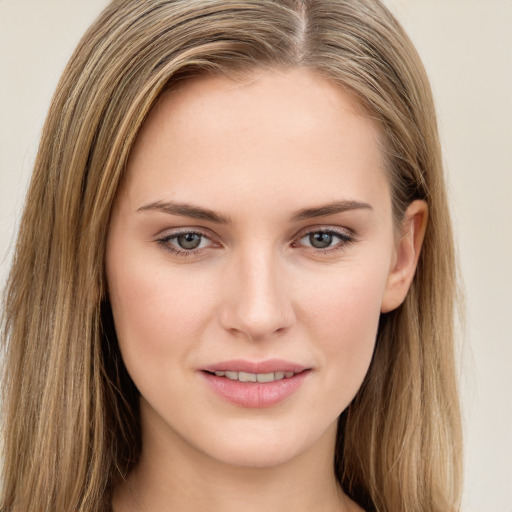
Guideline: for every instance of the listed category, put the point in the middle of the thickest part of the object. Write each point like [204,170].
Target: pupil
[189,241]
[320,240]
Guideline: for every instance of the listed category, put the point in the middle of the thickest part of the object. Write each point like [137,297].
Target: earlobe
[407,254]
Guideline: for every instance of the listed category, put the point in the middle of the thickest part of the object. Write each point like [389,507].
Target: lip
[268,366]
[255,394]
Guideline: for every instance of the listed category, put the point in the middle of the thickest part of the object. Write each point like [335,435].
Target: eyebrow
[186,210]
[196,212]
[330,209]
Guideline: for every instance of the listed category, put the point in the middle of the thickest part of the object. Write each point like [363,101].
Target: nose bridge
[258,302]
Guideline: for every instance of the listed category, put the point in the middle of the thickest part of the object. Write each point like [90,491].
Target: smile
[259,388]
[255,377]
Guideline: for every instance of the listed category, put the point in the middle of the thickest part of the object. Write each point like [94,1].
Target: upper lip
[268,366]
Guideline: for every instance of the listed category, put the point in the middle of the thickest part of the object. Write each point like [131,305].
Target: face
[251,240]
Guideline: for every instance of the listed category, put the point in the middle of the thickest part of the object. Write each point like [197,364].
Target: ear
[407,252]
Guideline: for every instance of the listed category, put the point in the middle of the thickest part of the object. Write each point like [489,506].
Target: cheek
[158,315]
[347,300]
[344,320]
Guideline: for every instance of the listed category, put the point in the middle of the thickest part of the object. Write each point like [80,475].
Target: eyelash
[165,242]
[345,239]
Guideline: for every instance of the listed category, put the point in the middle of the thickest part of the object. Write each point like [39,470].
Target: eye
[325,239]
[320,240]
[189,240]
[185,242]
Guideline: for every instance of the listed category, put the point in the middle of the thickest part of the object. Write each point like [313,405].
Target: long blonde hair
[70,411]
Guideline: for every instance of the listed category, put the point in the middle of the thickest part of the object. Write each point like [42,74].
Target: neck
[173,475]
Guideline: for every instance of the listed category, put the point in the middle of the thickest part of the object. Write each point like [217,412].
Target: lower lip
[255,394]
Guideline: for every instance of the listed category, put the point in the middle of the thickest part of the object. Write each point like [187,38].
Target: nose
[257,298]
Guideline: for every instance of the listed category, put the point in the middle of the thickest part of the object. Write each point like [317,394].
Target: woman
[234,279]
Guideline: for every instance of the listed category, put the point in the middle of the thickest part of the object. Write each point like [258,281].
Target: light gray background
[467,48]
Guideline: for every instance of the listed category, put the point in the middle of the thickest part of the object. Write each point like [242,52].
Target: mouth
[255,384]
[254,377]
[279,368]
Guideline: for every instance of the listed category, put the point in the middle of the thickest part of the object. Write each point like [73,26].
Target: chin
[261,448]
[255,456]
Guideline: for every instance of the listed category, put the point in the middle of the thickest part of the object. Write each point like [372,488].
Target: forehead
[271,131]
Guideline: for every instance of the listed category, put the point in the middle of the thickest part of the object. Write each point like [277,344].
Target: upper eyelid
[170,233]
[325,229]
[167,233]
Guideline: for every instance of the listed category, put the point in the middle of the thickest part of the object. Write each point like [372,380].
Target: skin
[255,152]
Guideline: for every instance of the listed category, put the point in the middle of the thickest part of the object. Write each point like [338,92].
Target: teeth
[266,377]
[247,377]
[255,377]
